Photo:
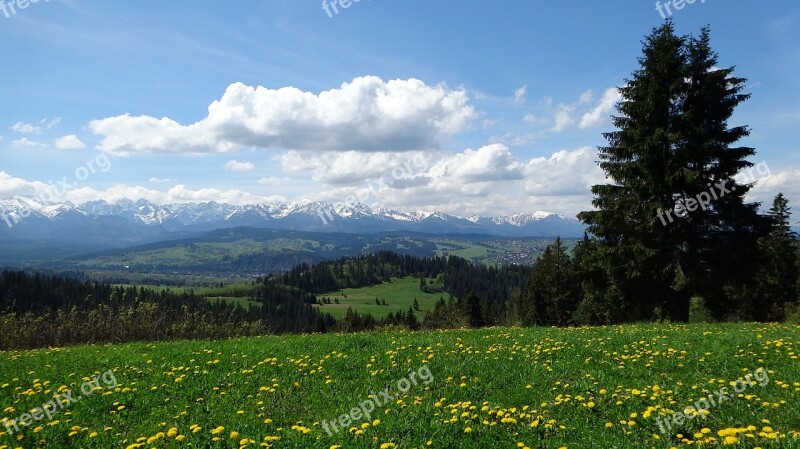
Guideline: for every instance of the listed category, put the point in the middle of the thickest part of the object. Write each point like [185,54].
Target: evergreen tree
[779,274]
[551,296]
[410,320]
[471,308]
[672,223]
[724,231]
[598,304]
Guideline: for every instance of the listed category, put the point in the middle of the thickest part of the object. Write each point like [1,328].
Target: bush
[698,312]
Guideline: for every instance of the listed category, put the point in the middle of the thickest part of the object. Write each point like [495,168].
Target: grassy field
[491,388]
[399,295]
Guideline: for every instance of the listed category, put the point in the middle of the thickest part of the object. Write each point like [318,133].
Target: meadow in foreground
[489,388]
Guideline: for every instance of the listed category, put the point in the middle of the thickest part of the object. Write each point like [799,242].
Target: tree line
[39,310]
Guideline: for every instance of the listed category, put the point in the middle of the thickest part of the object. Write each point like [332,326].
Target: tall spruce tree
[673,212]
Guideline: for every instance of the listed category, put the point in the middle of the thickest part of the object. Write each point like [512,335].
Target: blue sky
[465,107]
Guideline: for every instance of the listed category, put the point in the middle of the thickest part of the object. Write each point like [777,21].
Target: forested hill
[458,275]
[40,310]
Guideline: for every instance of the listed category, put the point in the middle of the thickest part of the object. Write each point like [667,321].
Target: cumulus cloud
[234,165]
[10,186]
[599,115]
[492,162]
[769,183]
[367,114]
[70,142]
[488,180]
[564,173]
[349,167]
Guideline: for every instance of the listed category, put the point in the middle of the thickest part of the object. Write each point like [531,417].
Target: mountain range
[127,222]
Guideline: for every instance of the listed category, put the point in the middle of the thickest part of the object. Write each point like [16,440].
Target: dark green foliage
[471,308]
[68,311]
[411,320]
[778,275]
[551,296]
[446,315]
[40,310]
[658,240]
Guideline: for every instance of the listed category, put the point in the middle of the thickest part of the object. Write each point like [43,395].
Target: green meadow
[399,295]
[489,388]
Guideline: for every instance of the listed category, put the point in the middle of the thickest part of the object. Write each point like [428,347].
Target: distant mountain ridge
[127,221]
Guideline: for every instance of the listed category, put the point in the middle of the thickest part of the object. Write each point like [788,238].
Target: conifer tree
[672,220]
[779,274]
[551,295]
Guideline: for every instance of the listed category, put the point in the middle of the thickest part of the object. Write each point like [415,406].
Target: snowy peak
[523,219]
[300,215]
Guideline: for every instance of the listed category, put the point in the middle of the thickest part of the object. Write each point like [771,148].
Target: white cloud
[563,118]
[50,124]
[565,114]
[234,165]
[563,174]
[70,142]
[10,186]
[25,128]
[352,167]
[530,118]
[521,94]
[156,180]
[492,162]
[769,184]
[27,143]
[599,115]
[489,180]
[492,181]
[367,114]
[29,128]
[182,194]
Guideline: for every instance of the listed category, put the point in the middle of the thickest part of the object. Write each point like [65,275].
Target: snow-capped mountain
[128,220]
